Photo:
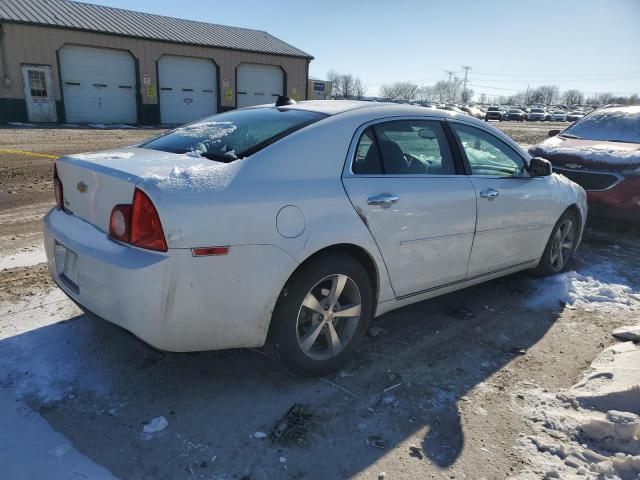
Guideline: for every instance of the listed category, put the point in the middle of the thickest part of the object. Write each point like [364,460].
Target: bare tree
[573,97]
[359,90]
[345,85]
[466,95]
[549,93]
[406,91]
[441,90]
[483,98]
[455,89]
[604,98]
[425,94]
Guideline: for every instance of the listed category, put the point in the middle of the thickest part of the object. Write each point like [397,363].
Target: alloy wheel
[328,317]
[562,246]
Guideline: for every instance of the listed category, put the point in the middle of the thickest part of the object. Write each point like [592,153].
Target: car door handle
[385,200]
[489,193]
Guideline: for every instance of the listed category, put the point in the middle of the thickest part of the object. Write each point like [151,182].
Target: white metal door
[99,85]
[512,220]
[38,93]
[188,88]
[258,84]
[422,215]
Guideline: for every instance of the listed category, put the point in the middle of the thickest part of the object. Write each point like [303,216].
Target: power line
[549,75]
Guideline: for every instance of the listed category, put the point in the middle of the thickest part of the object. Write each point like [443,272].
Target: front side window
[488,155]
[233,135]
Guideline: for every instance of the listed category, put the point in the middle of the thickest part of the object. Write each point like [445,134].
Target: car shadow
[98,385]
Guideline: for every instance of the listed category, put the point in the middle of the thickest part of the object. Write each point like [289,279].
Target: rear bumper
[172,301]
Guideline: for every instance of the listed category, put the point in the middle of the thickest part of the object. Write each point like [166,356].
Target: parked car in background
[516,114]
[575,115]
[537,114]
[214,235]
[601,152]
[559,116]
[495,113]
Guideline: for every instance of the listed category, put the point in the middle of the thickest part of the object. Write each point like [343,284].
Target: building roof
[97,18]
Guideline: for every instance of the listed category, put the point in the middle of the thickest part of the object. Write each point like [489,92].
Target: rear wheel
[560,247]
[322,314]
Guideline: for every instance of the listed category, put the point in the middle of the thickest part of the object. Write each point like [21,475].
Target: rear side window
[404,147]
[367,160]
[233,135]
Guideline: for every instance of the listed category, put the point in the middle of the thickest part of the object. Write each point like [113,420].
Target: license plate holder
[67,268]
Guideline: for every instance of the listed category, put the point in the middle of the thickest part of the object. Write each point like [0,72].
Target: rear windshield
[494,109]
[232,135]
[612,124]
[537,110]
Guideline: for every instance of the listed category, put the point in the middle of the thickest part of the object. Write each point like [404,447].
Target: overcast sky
[592,45]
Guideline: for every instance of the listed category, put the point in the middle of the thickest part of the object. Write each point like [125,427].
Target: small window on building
[37,83]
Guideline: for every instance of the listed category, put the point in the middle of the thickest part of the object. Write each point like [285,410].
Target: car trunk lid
[93,183]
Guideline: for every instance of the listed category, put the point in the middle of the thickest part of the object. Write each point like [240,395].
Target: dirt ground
[434,396]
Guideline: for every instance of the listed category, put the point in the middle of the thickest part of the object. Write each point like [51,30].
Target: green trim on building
[13,110]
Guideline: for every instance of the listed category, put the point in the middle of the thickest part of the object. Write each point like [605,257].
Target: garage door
[258,84]
[99,85]
[187,89]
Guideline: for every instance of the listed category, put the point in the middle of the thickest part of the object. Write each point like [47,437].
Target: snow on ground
[31,449]
[598,286]
[28,364]
[590,431]
[25,258]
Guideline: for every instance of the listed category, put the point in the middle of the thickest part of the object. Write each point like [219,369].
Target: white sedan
[299,223]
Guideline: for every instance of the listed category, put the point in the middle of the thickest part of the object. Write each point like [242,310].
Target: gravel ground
[430,398]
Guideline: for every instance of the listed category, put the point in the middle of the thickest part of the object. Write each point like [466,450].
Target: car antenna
[283,100]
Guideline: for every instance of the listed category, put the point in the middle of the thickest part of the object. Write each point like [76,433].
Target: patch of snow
[155,425]
[20,124]
[32,449]
[631,333]
[599,153]
[598,287]
[206,130]
[35,358]
[25,258]
[212,176]
[591,430]
[107,155]
[260,435]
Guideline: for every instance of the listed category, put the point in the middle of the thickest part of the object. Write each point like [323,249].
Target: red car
[601,152]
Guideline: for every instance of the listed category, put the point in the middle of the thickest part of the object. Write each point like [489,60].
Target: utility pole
[466,69]
[450,73]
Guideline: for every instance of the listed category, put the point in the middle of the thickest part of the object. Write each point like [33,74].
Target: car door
[512,218]
[402,179]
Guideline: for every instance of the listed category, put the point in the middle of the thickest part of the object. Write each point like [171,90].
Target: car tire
[297,317]
[558,253]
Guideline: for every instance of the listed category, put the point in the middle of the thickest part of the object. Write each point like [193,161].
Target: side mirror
[553,133]
[540,167]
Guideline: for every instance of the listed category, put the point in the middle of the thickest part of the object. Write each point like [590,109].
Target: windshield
[233,135]
[537,110]
[613,125]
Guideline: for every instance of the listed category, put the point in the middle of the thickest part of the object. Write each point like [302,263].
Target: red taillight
[138,224]
[57,189]
[146,229]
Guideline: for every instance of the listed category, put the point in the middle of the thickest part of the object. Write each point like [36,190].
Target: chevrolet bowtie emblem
[82,187]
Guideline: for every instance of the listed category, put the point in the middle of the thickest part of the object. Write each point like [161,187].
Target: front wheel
[322,314]
[560,247]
